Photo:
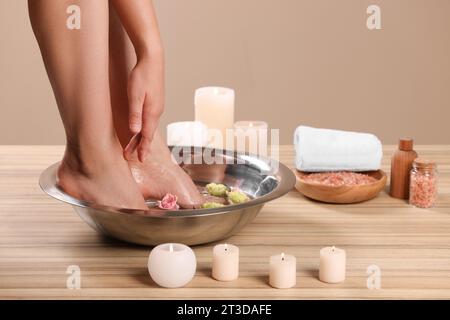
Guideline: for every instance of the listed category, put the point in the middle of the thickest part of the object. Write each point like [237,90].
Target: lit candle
[225,262]
[172,265]
[283,271]
[251,136]
[332,265]
[187,133]
[214,106]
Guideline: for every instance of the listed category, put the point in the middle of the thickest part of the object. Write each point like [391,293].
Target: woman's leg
[158,175]
[93,167]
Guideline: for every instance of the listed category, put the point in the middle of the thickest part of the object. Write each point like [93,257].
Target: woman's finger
[132,146]
[144,149]
[150,118]
[136,101]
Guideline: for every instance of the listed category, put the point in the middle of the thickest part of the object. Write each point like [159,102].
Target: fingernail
[126,155]
[135,127]
[141,156]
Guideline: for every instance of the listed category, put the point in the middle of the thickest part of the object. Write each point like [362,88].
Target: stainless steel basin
[261,178]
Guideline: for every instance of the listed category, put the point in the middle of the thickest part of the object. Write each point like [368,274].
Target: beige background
[291,62]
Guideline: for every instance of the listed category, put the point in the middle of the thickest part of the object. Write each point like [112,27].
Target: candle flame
[332,248]
[226,246]
[171,247]
[216,90]
[250,124]
[282,256]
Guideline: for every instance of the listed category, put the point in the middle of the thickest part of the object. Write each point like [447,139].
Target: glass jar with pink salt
[423,183]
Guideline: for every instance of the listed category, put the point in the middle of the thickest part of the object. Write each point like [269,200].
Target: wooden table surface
[40,237]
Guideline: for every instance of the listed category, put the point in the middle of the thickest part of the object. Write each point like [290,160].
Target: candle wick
[282,256]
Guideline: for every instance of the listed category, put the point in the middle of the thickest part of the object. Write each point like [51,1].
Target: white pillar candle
[172,265]
[214,106]
[251,136]
[332,265]
[283,271]
[187,133]
[225,262]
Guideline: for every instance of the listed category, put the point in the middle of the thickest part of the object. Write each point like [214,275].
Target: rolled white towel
[318,150]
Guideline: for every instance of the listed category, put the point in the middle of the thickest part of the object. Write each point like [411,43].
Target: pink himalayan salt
[423,190]
[169,202]
[341,178]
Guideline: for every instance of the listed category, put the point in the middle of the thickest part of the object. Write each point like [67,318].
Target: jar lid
[422,163]
[405,144]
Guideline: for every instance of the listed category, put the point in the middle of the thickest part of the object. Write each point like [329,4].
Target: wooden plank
[40,238]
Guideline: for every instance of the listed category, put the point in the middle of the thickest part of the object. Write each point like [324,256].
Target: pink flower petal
[168,202]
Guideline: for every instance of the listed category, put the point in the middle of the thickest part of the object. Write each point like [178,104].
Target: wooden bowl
[341,194]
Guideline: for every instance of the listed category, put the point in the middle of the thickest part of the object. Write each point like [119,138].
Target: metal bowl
[261,178]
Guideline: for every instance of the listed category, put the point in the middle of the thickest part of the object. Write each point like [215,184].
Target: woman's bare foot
[159,175]
[103,179]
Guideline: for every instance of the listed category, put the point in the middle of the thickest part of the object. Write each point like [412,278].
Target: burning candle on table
[251,136]
[225,262]
[172,265]
[283,271]
[214,106]
[187,133]
[332,265]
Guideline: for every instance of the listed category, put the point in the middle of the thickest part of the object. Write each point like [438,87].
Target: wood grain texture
[41,237]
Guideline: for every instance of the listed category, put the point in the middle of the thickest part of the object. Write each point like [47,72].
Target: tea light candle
[250,136]
[187,133]
[283,271]
[332,265]
[214,106]
[225,262]
[172,265]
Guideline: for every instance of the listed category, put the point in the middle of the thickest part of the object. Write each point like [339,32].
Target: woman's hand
[146,83]
[146,103]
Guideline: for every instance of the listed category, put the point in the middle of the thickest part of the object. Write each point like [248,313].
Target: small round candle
[225,262]
[332,265]
[283,271]
[187,133]
[251,136]
[172,265]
